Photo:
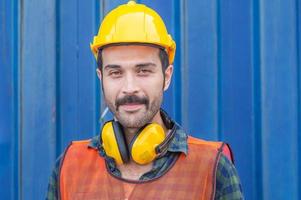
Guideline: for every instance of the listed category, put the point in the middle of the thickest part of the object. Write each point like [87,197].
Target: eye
[144,71]
[115,73]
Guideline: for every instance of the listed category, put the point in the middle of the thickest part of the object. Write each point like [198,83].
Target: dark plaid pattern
[227,181]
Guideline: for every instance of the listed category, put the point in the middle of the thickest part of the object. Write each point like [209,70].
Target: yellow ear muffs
[143,145]
[114,143]
[149,143]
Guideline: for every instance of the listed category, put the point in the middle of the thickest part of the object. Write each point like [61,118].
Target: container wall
[236,78]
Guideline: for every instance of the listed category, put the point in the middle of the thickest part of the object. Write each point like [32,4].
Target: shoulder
[80,143]
[80,147]
[215,145]
[228,184]
[52,192]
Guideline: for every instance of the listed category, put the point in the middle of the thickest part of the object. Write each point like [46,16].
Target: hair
[163,56]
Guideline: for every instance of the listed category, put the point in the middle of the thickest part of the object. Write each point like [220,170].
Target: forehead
[130,53]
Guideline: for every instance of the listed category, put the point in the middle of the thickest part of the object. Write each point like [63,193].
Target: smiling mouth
[131,107]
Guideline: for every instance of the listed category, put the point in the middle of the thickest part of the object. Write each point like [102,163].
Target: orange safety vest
[83,175]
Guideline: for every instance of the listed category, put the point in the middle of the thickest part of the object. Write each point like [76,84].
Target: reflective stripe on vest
[83,175]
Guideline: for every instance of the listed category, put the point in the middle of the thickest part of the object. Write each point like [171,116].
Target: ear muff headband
[113,142]
[143,145]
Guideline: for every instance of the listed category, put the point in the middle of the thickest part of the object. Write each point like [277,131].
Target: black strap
[162,148]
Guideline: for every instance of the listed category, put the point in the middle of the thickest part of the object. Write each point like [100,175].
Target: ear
[98,73]
[168,75]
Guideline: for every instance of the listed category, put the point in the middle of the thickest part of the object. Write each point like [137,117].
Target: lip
[131,107]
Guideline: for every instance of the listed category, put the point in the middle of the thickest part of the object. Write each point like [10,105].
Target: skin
[134,70]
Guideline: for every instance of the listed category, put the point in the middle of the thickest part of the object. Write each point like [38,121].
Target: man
[142,153]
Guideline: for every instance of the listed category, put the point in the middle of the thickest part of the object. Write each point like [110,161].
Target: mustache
[131,99]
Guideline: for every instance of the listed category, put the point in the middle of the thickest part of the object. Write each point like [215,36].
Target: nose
[130,85]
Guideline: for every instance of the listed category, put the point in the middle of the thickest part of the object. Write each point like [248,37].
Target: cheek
[153,87]
[110,90]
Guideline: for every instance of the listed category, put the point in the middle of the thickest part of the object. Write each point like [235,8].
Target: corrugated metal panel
[279,98]
[37,80]
[9,139]
[235,86]
[237,78]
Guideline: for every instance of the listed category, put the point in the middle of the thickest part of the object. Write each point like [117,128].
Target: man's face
[133,83]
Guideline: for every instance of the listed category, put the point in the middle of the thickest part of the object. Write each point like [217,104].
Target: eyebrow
[112,66]
[146,64]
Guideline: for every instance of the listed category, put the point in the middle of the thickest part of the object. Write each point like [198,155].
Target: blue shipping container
[237,78]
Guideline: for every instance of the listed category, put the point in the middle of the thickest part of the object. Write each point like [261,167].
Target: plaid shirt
[227,181]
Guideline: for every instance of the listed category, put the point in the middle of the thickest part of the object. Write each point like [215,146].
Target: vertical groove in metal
[101,99]
[77,66]
[102,102]
[97,14]
[257,143]
[96,91]
[184,64]
[20,76]
[58,145]
[16,109]
[177,69]
[298,52]
[219,71]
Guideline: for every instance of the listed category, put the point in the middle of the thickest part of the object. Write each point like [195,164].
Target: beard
[136,119]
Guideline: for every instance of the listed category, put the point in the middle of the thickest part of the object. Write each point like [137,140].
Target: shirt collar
[177,144]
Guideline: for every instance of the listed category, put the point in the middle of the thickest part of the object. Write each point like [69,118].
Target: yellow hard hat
[134,23]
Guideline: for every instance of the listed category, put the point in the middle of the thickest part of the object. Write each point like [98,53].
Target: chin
[135,120]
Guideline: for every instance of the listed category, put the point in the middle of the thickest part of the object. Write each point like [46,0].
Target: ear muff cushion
[142,147]
[121,141]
